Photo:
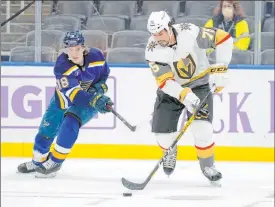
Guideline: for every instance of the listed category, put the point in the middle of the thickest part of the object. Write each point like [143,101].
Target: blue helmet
[73,39]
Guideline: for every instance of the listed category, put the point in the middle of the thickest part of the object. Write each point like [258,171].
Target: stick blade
[132,186]
[133,128]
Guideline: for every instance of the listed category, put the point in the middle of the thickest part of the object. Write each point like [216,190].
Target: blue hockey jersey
[72,79]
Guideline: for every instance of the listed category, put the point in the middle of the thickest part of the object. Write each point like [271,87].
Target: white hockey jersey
[186,64]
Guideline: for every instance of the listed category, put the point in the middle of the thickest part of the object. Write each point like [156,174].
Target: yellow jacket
[241,29]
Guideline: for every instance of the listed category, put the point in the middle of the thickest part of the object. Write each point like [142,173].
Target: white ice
[85,182]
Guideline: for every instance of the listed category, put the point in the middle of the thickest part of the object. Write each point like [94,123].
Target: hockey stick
[126,123]
[140,186]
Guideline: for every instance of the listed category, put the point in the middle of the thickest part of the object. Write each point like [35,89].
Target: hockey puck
[127,194]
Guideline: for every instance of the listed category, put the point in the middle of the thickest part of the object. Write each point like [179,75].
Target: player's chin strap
[170,33]
[140,186]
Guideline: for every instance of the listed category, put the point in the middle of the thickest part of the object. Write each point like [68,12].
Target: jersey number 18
[62,83]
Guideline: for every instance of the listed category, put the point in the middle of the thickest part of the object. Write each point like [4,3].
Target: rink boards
[243,115]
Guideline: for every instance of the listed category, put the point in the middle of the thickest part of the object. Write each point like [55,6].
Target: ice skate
[26,167]
[213,175]
[48,169]
[169,163]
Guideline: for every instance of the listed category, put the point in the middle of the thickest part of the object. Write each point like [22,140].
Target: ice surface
[85,182]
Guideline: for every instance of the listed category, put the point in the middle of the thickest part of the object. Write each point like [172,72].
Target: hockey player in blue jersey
[81,76]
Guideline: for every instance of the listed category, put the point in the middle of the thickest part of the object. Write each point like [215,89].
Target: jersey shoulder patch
[151,45]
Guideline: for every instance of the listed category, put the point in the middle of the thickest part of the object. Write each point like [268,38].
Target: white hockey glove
[218,76]
[191,102]
[189,99]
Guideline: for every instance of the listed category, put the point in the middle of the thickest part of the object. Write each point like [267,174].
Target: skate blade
[25,173]
[40,175]
[215,183]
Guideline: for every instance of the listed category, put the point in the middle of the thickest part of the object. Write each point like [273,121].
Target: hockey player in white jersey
[177,57]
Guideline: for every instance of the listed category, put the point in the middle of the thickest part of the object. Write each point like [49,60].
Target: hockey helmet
[73,39]
[158,21]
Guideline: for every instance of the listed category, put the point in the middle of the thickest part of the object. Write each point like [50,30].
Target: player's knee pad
[202,132]
[165,140]
[82,114]
[203,136]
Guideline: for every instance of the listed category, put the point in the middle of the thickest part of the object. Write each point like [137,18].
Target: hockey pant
[167,111]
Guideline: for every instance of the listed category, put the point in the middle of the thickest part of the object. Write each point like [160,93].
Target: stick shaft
[124,121]
[140,186]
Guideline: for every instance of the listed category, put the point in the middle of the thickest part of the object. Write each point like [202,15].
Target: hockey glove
[203,113]
[189,99]
[99,87]
[218,76]
[100,102]
[191,102]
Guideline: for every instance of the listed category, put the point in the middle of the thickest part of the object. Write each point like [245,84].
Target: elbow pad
[224,51]
[172,88]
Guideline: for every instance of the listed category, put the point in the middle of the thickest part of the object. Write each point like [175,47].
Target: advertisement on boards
[243,112]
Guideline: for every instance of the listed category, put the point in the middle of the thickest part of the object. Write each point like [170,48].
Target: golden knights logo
[185,67]
[152,45]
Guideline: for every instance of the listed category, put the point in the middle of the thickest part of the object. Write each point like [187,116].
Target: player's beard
[163,43]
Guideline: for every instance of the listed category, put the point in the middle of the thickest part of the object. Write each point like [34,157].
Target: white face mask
[227,12]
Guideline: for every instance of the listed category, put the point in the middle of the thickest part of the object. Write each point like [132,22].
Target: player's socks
[66,139]
[67,136]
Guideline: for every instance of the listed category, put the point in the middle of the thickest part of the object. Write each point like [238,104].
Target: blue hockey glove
[100,102]
[99,87]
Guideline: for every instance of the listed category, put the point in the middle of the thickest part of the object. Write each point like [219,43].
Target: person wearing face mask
[229,16]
